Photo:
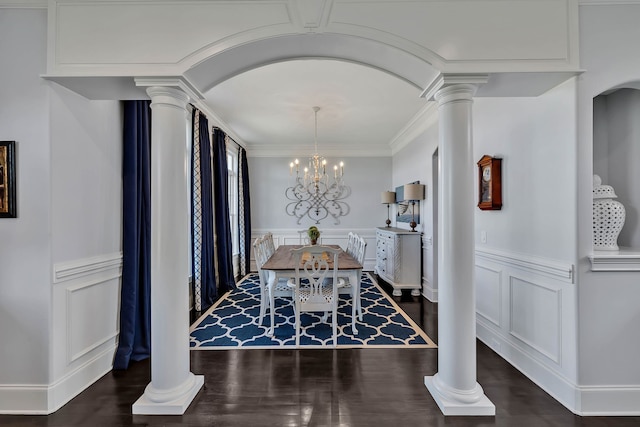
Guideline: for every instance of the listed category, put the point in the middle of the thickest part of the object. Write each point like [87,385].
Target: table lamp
[387,198]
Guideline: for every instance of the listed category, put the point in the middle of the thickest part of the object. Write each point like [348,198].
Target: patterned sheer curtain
[202,223]
[244,213]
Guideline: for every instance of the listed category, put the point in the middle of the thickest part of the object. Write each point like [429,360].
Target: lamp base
[388,221]
[413,225]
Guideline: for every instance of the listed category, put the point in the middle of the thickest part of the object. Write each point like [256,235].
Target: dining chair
[358,251]
[351,242]
[268,241]
[304,237]
[314,264]
[262,249]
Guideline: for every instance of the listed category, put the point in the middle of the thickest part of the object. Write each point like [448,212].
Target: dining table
[282,265]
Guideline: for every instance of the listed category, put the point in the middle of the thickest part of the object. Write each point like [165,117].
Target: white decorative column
[172,386]
[454,386]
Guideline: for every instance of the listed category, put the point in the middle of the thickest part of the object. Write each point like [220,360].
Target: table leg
[270,284]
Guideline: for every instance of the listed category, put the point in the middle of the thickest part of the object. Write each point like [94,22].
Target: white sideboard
[398,259]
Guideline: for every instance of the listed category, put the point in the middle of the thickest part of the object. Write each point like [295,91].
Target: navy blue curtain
[244,223]
[135,305]
[202,228]
[224,248]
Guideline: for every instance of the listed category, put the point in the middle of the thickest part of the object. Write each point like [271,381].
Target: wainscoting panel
[489,294]
[535,316]
[526,312]
[91,318]
[86,310]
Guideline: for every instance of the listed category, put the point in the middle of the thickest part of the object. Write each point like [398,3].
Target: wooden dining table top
[282,259]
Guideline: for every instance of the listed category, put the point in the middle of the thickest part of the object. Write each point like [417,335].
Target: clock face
[486,173]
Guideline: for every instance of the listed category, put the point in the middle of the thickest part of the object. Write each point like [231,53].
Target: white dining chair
[358,251]
[263,248]
[304,237]
[315,264]
[351,243]
[270,245]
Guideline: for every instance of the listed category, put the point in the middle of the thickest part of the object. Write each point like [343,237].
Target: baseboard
[560,388]
[28,399]
[428,291]
[609,400]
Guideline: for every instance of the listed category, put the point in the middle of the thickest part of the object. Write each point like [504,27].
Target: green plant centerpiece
[313,234]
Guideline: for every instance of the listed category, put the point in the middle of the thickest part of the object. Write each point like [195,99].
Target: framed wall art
[8,179]
[403,207]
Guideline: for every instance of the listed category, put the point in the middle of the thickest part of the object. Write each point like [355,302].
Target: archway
[459,394]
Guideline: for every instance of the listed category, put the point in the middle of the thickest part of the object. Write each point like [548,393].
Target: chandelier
[315,193]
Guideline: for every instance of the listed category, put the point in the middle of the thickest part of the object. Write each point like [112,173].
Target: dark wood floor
[359,387]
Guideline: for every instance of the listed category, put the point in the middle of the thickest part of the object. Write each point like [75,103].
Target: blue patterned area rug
[232,322]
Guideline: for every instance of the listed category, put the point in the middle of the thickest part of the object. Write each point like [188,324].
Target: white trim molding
[550,268]
[65,271]
[624,259]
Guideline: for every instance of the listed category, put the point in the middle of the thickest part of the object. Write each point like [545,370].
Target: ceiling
[270,108]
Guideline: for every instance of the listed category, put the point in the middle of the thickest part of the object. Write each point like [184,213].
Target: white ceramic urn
[608,217]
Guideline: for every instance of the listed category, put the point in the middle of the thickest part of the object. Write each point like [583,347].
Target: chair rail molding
[534,264]
[71,270]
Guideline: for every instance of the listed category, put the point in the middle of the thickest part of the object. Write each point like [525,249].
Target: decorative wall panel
[535,316]
[489,294]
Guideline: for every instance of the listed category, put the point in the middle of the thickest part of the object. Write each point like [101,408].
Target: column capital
[456,83]
[178,83]
[168,95]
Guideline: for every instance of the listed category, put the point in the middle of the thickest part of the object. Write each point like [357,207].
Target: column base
[449,406]
[177,406]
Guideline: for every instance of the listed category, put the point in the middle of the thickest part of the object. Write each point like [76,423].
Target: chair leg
[272,305]
[297,328]
[263,305]
[335,324]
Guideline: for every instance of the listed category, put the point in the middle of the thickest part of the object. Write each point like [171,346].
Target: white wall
[413,162]
[25,252]
[86,154]
[367,177]
[60,260]
[536,140]
[609,313]
[525,292]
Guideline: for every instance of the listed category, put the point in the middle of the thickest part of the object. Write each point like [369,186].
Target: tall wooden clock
[489,183]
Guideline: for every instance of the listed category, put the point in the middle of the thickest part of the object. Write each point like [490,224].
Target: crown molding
[421,121]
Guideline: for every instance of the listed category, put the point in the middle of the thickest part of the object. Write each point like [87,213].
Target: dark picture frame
[8,204]
[403,207]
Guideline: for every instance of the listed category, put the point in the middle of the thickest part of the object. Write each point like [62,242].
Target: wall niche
[616,154]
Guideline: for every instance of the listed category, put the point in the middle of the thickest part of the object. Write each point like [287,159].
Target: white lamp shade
[388,197]
[414,191]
